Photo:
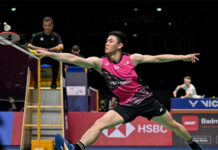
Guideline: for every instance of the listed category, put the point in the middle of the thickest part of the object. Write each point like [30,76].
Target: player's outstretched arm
[176,90]
[90,62]
[139,58]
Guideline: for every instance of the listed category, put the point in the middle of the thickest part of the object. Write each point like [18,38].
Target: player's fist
[33,52]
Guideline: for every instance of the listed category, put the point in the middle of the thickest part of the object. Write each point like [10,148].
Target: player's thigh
[110,119]
[165,120]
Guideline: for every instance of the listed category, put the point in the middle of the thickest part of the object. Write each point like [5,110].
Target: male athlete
[135,99]
[188,87]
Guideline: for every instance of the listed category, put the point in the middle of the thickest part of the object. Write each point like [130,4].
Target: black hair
[120,36]
[47,18]
[75,48]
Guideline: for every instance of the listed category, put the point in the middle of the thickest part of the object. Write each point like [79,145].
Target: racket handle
[33,52]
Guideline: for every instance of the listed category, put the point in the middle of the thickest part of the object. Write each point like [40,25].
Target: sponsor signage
[76,90]
[190,122]
[191,103]
[203,128]
[203,139]
[140,132]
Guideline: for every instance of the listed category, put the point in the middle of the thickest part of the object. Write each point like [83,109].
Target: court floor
[146,148]
[126,148]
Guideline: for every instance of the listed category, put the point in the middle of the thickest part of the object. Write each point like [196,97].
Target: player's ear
[120,45]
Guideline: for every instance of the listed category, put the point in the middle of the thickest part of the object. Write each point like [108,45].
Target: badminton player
[135,98]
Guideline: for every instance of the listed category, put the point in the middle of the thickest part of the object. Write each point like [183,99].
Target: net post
[38,99]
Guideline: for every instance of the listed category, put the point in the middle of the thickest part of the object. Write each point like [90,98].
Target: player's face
[75,52]
[113,100]
[186,82]
[48,26]
[112,45]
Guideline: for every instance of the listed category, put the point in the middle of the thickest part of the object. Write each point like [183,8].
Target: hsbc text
[149,128]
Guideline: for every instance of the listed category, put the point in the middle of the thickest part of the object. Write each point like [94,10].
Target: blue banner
[193,104]
[6,124]
[76,89]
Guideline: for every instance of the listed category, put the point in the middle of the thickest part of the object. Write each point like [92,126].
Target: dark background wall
[183,26]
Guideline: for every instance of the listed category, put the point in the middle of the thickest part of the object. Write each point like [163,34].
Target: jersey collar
[116,62]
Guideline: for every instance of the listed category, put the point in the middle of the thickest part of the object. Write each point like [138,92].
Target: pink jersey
[123,81]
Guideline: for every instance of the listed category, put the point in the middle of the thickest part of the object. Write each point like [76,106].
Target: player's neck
[115,57]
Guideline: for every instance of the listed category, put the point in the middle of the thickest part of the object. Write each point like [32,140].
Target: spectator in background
[103,106]
[48,40]
[112,103]
[76,50]
[188,87]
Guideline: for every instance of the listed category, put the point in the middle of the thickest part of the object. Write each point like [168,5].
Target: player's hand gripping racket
[33,52]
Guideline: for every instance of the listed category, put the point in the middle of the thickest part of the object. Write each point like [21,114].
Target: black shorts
[148,108]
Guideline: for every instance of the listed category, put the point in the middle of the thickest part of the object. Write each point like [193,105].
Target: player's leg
[55,68]
[110,119]
[167,121]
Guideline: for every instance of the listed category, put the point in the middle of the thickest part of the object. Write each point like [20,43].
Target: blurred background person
[48,40]
[76,50]
[103,106]
[188,87]
[112,103]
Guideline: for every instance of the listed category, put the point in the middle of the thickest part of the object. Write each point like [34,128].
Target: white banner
[76,90]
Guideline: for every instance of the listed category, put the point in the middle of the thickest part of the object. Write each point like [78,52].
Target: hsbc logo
[124,130]
[190,123]
[119,131]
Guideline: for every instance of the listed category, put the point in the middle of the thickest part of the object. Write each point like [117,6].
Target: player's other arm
[139,58]
[176,90]
[90,62]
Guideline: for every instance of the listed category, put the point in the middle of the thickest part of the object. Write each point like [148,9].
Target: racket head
[12,37]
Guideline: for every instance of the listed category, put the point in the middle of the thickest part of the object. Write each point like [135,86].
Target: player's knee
[100,124]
